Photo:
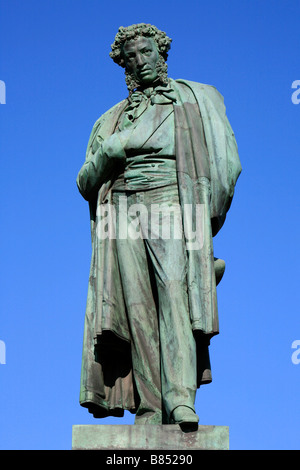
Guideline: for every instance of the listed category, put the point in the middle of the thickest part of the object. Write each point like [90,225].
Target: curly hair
[162,41]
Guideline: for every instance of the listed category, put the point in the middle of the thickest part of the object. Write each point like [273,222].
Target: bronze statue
[160,172]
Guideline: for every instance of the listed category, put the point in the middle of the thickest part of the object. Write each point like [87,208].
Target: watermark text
[296,94]
[155,221]
[296,353]
[2,352]
[2,92]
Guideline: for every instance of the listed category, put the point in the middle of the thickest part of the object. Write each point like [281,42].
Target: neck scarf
[139,101]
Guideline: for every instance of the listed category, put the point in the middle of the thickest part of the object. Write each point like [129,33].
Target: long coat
[208,167]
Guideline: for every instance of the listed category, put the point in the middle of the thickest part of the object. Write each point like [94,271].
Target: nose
[140,60]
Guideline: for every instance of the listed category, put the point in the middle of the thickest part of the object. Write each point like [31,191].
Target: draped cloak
[208,167]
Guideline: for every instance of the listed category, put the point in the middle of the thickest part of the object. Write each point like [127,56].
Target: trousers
[153,265]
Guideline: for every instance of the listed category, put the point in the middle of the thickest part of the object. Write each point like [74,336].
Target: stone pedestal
[149,437]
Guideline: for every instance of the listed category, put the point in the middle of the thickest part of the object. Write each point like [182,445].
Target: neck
[146,86]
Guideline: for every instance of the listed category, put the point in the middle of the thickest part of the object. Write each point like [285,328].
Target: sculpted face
[141,56]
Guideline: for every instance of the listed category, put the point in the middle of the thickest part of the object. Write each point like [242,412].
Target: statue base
[149,437]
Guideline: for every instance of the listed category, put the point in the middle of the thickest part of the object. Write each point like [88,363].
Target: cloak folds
[208,167]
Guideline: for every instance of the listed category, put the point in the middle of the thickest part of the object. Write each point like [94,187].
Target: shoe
[184,415]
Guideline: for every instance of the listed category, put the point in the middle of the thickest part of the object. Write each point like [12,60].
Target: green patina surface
[152,306]
[164,437]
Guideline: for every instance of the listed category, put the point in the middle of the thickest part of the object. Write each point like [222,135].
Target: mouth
[145,71]
[145,74]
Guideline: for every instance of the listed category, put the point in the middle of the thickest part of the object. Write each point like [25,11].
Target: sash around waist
[142,173]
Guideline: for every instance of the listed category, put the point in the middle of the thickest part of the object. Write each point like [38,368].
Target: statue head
[142,50]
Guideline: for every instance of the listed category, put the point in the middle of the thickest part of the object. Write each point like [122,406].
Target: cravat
[140,100]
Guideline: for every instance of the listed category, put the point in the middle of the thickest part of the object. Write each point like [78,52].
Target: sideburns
[162,72]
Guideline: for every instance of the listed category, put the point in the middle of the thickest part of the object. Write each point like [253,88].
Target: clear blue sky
[59,80]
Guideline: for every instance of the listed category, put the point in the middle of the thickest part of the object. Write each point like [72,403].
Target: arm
[100,161]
